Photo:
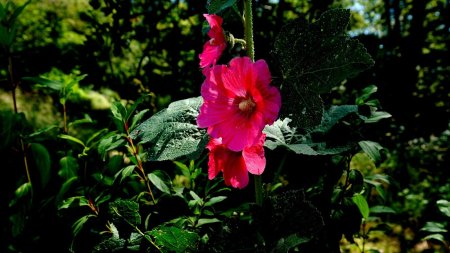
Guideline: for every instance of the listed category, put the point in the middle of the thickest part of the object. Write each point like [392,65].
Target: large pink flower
[235,165]
[238,102]
[214,47]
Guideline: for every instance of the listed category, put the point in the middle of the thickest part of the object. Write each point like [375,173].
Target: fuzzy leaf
[173,133]
[173,239]
[314,58]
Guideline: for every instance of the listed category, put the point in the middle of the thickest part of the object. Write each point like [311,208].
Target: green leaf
[173,239]
[23,190]
[173,133]
[156,179]
[45,83]
[365,94]
[215,200]
[124,212]
[69,167]
[377,116]
[136,103]
[314,58]
[42,159]
[362,205]
[381,209]
[372,149]
[215,6]
[137,118]
[79,224]
[119,111]
[444,207]
[40,134]
[184,168]
[280,134]
[73,139]
[125,172]
[437,237]
[434,227]
[65,188]
[110,142]
[68,88]
[205,221]
[74,201]
[284,245]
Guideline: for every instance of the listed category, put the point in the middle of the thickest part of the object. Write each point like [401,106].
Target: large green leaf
[314,141]
[173,132]
[42,160]
[314,58]
[173,239]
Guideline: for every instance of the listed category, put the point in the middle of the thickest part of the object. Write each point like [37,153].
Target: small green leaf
[137,118]
[365,94]
[69,167]
[156,179]
[362,205]
[205,221]
[444,207]
[110,142]
[45,83]
[65,188]
[23,190]
[119,111]
[434,227]
[372,149]
[216,6]
[382,209]
[184,168]
[125,172]
[215,200]
[40,134]
[74,201]
[284,245]
[73,139]
[437,237]
[79,224]
[377,116]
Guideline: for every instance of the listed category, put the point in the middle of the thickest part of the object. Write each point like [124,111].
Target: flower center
[247,105]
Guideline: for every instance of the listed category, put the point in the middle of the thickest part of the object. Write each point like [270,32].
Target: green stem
[14,85]
[258,190]
[248,29]
[250,46]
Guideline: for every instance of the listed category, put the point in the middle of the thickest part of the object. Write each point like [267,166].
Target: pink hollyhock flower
[235,165]
[238,102]
[214,47]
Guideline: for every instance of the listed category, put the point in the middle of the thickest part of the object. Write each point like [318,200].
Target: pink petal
[254,158]
[213,20]
[216,157]
[239,131]
[238,76]
[210,54]
[235,172]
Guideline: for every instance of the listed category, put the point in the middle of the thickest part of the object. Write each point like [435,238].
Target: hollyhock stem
[248,29]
